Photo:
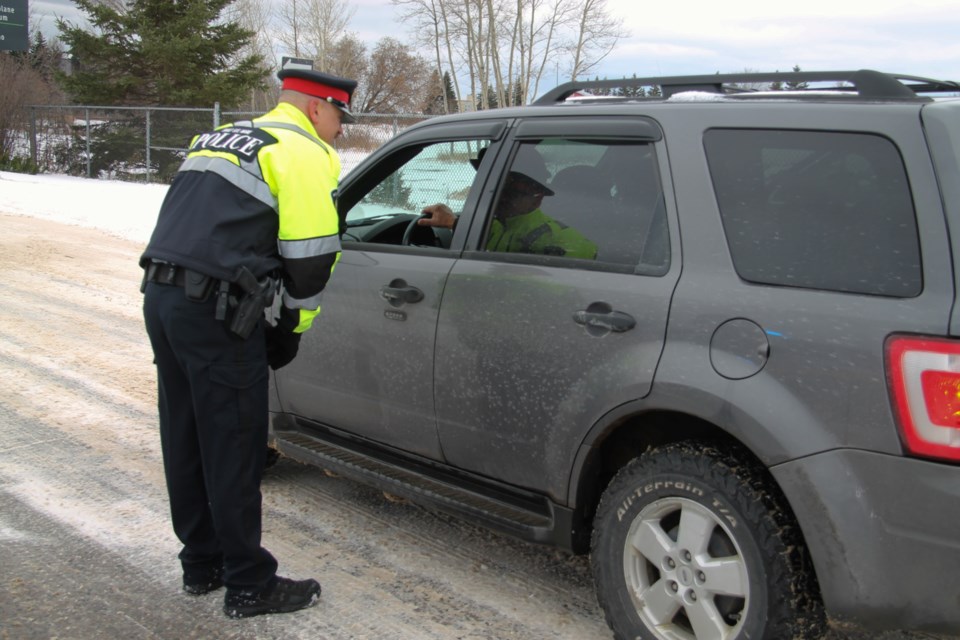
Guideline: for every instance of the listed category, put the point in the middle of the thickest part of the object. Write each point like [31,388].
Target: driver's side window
[435,173]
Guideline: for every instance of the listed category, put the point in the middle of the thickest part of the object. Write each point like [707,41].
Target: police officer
[252,205]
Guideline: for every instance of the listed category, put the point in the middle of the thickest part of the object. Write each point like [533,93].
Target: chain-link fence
[148,143]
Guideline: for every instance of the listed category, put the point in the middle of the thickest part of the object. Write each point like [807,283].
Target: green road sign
[13,25]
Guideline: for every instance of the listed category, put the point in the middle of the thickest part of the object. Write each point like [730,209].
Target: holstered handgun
[258,295]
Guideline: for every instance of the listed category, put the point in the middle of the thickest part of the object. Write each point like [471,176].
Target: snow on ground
[125,209]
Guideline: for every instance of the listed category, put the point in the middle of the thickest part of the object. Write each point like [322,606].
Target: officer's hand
[282,346]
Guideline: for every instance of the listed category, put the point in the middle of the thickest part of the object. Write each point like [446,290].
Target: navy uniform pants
[212,396]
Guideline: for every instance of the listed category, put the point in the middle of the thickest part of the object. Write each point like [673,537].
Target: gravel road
[86,548]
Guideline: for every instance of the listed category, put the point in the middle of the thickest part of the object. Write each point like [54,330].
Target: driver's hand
[437,215]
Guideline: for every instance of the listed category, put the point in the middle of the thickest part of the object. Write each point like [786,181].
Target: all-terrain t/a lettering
[658,486]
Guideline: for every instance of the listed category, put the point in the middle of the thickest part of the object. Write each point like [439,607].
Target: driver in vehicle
[519,225]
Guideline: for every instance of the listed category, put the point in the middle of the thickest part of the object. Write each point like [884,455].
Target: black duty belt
[196,286]
[164,273]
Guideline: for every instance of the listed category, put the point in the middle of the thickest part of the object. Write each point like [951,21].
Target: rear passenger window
[819,210]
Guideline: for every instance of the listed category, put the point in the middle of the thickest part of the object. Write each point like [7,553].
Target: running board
[423,483]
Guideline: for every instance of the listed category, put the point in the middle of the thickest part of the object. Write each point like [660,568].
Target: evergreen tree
[597,91]
[491,101]
[624,91]
[635,91]
[796,86]
[39,53]
[517,99]
[433,105]
[435,102]
[451,96]
[392,192]
[159,52]
[44,58]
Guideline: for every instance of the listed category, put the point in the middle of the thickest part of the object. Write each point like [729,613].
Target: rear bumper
[884,533]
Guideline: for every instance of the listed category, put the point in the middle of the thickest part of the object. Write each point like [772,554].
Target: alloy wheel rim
[686,574]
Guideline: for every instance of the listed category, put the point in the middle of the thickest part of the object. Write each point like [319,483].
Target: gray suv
[707,334]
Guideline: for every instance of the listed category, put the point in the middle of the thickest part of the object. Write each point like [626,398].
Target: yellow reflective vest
[536,232]
[259,194]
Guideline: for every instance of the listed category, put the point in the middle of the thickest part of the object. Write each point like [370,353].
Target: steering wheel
[440,236]
[408,232]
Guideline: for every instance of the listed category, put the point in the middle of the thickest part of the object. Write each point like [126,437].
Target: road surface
[86,549]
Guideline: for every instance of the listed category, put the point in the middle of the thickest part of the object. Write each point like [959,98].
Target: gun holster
[258,295]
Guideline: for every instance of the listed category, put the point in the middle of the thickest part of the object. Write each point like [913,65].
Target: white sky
[706,36]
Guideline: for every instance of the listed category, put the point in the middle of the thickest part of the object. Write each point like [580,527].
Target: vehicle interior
[609,191]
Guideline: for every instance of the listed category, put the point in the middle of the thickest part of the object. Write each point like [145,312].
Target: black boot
[281,595]
[197,583]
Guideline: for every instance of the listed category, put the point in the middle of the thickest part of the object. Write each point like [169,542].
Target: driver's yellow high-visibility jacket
[259,194]
[536,232]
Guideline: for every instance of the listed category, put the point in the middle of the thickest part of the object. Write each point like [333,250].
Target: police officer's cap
[335,90]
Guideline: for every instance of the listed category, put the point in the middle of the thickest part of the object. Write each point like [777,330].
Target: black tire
[735,569]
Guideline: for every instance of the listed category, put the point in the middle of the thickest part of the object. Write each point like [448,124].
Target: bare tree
[462,11]
[348,58]
[311,28]
[431,29]
[327,21]
[291,16]
[544,40]
[25,83]
[256,16]
[448,40]
[502,86]
[597,32]
[505,47]
[396,80]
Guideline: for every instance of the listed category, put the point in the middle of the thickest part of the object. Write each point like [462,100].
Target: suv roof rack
[866,83]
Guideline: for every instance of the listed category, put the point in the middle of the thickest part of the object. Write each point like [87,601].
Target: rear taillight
[924,379]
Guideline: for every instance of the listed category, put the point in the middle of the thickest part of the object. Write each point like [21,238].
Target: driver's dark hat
[334,89]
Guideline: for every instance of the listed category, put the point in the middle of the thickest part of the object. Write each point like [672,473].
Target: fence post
[86,124]
[216,115]
[33,136]
[147,174]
